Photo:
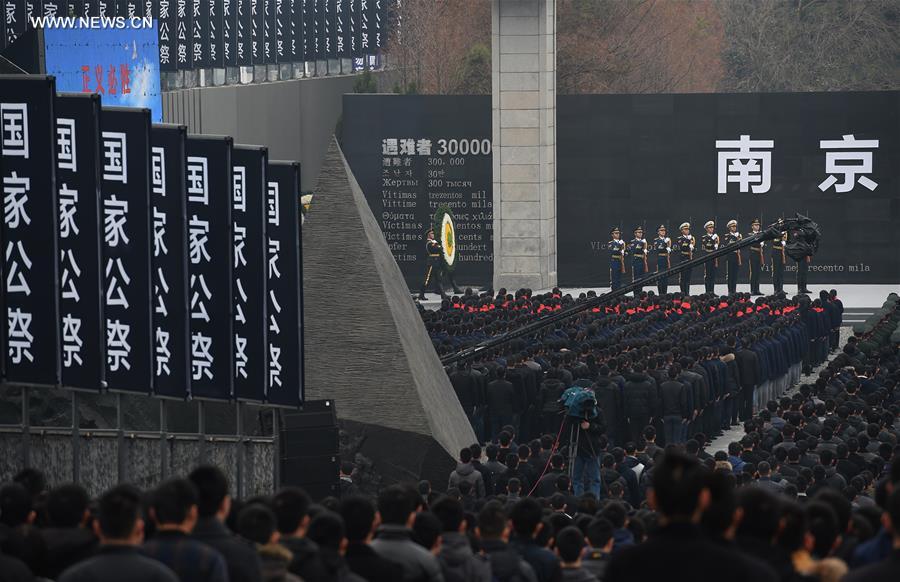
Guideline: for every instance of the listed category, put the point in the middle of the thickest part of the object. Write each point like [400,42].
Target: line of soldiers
[683,247]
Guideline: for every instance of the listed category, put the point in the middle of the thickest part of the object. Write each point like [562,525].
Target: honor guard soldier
[662,247]
[757,259]
[802,268]
[616,259]
[435,265]
[778,245]
[733,260]
[710,243]
[685,245]
[638,250]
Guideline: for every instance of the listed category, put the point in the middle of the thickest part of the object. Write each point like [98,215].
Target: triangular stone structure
[365,346]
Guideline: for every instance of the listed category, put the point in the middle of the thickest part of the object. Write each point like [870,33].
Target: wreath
[443,218]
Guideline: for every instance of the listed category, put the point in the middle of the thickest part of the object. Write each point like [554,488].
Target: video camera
[580,402]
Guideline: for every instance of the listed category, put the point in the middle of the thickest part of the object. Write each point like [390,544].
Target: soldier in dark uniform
[616,259]
[733,260]
[710,243]
[637,248]
[778,262]
[685,245]
[434,266]
[662,247]
[756,260]
[802,269]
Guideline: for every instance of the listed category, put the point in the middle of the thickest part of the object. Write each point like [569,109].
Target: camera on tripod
[580,402]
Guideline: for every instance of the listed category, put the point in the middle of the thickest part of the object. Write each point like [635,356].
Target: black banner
[30,276]
[412,155]
[14,19]
[342,33]
[127,8]
[106,8]
[171,330]
[184,34]
[355,17]
[365,27]
[229,23]
[125,189]
[216,33]
[81,280]
[319,26]
[89,8]
[248,213]
[243,31]
[328,34]
[269,51]
[257,31]
[75,8]
[281,27]
[285,285]
[309,29]
[209,186]
[54,8]
[200,33]
[294,41]
[164,12]
[377,21]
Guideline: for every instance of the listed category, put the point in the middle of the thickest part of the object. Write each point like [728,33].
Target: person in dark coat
[173,507]
[394,541]
[674,406]
[640,401]
[67,538]
[748,372]
[887,570]
[121,530]
[609,400]
[458,562]
[360,523]
[500,402]
[327,531]
[493,534]
[678,548]
[291,506]
[213,506]
[526,518]
[257,523]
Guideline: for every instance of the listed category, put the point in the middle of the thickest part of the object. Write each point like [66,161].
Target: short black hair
[327,530]
[33,480]
[677,483]
[761,513]
[359,515]
[118,511]
[616,513]
[290,505]
[492,520]
[395,505]
[212,488]
[66,505]
[426,529]
[465,455]
[257,523]
[15,505]
[172,500]
[569,543]
[599,532]
[449,512]
[526,514]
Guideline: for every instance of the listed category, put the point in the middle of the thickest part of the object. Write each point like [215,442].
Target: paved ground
[735,434]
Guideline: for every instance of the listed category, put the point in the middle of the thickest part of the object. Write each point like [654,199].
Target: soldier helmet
[755,222]
[429,231]
[709,223]
[684,225]
[731,223]
[639,228]
[614,230]
[661,227]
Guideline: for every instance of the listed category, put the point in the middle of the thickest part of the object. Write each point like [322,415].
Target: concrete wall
[295,118]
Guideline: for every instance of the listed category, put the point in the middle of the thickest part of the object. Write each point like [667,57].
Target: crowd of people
[622,487]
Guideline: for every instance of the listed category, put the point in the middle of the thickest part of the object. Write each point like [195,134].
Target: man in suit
[500,406]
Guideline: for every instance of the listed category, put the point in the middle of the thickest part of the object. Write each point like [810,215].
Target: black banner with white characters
[30,275]
[281,29]
[171,331]
[200,33]
[14,19]
[353,9]
[243,31]
[229,22]
[216,33]
[257,31]
[284,279]
[248,213]
[125,205]
[294,40]
[164,12]
[365,28]
[209,193]
[320,8]
[184,33]
[309,29]
[127,8]
[81,279]
[269,53]
[328,33]
[342,11]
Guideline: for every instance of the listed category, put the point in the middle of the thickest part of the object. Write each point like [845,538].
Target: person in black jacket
[526,518]
[458,562]
[121,530]
[493,534]
[748,372]
[466,386]
[640,401]
[609,400]
[213,506]
[360,522]
[291,505]
[675,409]
[67,538]
[500,405]
[889,569]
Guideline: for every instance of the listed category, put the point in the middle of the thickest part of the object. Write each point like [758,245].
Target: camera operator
[588,429]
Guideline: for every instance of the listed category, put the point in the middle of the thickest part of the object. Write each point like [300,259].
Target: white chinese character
[240,356]
[19,338]
[162,353]
[274,365]
[65,139]
[159,233]
[198,306]
[15,197]
[70,274]
[115,157]
[196,176]
[201,357]
[115,291]
[240,238]
[115,216]
[389,146]
[15,277]
[14,118]
[239,195]
[407,147]
[423,147]
[68,200]
[117,347]
[860,163]
[747,166]
[158,171]
[72,342]
[276,309]
[160,290]
[197,238]
[273,204]
[274,247]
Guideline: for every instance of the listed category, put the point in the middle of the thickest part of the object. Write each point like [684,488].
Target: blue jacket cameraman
[585,425]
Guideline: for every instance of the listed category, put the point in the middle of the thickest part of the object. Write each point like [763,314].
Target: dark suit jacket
[240,556]
[364,561]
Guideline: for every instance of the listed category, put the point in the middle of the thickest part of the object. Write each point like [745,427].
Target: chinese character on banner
[115,157]
[65,139]
[389,147]
[744,162]
[196,178]
[14,120]
[118,349]
[856,162]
